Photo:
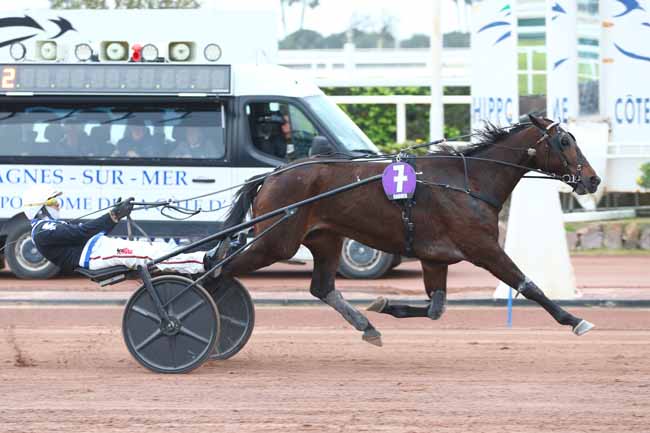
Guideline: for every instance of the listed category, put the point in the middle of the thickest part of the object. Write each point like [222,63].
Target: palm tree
[305,4]
[461,9]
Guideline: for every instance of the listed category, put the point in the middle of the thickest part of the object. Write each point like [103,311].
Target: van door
[275,131]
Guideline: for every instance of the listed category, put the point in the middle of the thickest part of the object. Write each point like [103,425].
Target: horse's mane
[483,139]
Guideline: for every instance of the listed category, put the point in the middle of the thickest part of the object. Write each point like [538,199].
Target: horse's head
[557,152]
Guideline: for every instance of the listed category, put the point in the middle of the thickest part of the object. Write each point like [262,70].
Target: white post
[348,49]
[436,119]
[529,70]
[401,122]
[606,57]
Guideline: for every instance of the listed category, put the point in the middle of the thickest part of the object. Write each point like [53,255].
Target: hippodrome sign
[495,92]
[562,64]
[399,181]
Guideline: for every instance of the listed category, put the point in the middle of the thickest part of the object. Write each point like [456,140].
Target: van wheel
[361,261]
[22,256]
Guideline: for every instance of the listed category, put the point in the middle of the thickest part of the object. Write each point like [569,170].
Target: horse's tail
[243,201]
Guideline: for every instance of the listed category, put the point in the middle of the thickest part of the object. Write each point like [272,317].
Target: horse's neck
[498,180]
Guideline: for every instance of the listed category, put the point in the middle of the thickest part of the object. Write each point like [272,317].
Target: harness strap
[407,210]
[465,170]
[487,199]
[477,195]
[409,226]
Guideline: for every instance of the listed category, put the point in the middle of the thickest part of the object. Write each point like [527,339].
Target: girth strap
[487,199]
[407,208]
[409,226]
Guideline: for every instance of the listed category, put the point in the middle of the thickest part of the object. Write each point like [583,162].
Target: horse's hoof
[582,328]
[378,305]
[438,305]
[373,337]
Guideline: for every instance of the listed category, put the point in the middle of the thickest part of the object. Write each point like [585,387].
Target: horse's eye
[565,141]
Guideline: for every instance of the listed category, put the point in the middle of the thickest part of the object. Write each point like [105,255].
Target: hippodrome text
[90,188]
[632,110]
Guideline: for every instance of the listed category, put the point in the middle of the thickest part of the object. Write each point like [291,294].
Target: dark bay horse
[449,226]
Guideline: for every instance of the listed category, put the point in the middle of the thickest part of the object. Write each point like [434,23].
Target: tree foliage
[125,4]
[379,121]
[644,180]
[418,40]
[310,39]
[305,39]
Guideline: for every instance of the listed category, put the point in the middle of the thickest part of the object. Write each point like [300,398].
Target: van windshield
[346,131]
[113,131]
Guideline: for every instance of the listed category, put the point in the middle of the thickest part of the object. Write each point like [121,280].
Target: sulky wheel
[177,345]
[237,316]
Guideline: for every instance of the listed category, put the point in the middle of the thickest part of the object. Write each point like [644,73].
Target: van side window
[280,129]
[116,131]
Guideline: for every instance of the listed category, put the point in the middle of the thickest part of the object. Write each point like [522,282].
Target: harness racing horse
[455,215]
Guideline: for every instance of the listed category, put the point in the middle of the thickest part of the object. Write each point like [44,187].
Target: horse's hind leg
[501,266]
[435,283]
[326,249]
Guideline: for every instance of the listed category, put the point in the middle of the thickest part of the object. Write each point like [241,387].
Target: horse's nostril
[595,181]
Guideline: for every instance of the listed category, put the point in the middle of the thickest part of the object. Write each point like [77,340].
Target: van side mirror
[321,146]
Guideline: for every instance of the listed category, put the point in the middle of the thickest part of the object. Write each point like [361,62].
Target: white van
[157,129]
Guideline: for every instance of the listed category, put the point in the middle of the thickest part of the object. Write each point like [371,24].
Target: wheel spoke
[157,333]
[222,295]
[146,313]
[190,333]
[187,312]
[234,321]
[172,349]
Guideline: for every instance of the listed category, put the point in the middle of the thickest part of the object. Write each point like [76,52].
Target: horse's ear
[536,121]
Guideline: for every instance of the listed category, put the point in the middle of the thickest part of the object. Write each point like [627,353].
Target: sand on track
[66,369]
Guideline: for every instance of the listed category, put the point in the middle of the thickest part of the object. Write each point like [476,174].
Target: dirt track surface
[67,370]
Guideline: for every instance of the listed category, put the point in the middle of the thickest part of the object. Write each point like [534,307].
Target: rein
[553,142]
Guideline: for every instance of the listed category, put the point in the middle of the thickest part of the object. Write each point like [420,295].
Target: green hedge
[378,121]
[644,180]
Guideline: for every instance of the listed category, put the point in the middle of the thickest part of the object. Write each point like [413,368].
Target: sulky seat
[106,276]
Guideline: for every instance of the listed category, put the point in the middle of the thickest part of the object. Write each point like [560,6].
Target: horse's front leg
[495,260]
[435,284]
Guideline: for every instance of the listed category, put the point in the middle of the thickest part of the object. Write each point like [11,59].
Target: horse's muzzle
[594,181]
[587,185]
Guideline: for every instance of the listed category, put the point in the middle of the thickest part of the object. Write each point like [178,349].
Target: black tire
[359,261]
[191,335]
[22,256]
[237,314]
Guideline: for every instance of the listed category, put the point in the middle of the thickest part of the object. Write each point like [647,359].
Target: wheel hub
[30,253]
[361,254]
[171,326]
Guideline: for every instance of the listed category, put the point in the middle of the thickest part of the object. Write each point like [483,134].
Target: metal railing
[352,67]
[400,102]
[628,149]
